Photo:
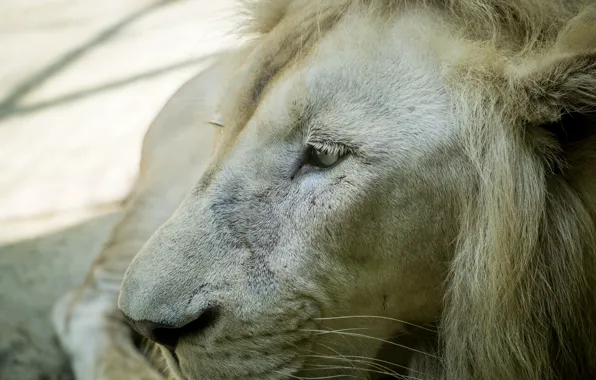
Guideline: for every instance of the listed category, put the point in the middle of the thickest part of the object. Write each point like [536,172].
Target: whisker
[386,362]
[345,339]
[390,373]
[374,338]
[323,332]
[367,368]
[355,329]
[368,364]
[356,358]
[377,317]
[369,361]
[348,329]
[318,377]
[333,350]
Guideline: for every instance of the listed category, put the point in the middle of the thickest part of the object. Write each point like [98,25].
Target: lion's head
[422,176]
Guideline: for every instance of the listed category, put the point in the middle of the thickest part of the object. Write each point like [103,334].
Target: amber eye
[322,158]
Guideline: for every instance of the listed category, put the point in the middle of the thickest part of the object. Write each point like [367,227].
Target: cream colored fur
[459,229]
[178,142]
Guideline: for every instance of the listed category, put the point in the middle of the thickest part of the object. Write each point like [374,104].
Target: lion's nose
[168,335]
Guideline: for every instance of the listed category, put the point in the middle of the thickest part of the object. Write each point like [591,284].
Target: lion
[365,188]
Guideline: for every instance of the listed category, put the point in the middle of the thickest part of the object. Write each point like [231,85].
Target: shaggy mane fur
[523,22]
[521,298]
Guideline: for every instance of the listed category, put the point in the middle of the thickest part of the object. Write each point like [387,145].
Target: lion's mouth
[275,351]
[207,365]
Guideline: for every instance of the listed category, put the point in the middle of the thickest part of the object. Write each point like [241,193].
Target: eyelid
[331,147]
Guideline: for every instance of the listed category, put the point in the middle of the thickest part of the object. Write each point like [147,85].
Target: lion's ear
[560,87]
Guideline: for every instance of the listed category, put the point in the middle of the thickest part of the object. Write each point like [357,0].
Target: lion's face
[335,201]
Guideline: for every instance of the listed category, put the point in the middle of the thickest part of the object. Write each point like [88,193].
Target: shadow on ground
[71,124]
[34,273]
[10,105]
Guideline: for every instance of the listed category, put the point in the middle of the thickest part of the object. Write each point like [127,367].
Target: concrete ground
[80,82]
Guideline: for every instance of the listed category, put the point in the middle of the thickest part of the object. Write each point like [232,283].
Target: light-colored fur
[466,201]
[175,149]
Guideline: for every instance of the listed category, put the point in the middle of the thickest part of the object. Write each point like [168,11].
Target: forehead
[383,76]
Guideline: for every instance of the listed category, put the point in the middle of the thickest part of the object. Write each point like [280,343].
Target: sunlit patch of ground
[80,83]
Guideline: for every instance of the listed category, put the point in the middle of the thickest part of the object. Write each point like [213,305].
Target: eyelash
[328,147]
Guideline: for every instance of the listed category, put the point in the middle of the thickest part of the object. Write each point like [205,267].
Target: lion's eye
[323,158]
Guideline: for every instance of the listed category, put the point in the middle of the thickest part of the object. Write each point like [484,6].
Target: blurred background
[80,81]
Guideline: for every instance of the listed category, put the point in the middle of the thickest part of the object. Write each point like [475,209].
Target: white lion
[401,188]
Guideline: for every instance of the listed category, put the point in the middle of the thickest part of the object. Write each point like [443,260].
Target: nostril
[163,334]
[168,335]
[205,320]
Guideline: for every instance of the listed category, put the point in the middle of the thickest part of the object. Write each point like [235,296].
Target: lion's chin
[286,371]
[291,369]
[274,363]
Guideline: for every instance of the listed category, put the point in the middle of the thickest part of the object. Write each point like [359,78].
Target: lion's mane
[520,300]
